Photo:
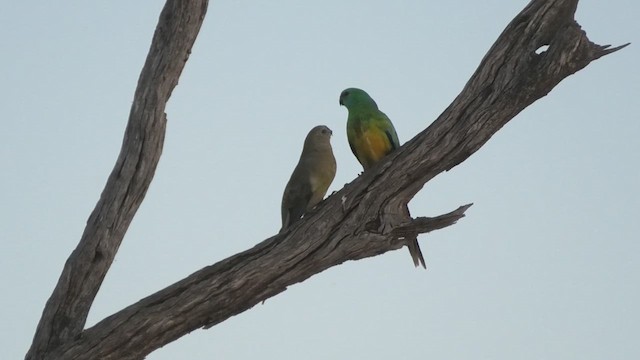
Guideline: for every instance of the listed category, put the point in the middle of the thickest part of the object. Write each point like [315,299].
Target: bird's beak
[341,103]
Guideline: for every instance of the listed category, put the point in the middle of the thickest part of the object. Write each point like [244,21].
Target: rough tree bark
[66,311]
[364,219]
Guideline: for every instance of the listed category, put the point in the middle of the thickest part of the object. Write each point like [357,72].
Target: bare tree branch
[366,218]
[66,311]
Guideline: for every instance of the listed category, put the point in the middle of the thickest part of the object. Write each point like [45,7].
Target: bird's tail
[416,253]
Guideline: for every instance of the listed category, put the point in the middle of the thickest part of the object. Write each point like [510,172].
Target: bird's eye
[345,93]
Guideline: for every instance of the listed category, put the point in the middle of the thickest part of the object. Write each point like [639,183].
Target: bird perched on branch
[371,137]
[370,133]
[311,177]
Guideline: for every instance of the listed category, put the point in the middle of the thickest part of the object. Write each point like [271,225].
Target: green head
[354,98]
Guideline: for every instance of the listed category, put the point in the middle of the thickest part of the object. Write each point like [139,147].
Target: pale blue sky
[545,266]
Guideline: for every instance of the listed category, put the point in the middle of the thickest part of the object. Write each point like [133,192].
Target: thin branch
[602,50]
[423,225]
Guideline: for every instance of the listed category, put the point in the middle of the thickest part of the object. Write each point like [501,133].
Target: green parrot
[371,137]
[370,132]
[311,177]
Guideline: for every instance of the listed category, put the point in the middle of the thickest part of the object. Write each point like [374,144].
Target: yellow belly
[372,146]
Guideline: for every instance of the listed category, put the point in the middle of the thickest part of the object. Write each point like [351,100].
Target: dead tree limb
[364,219]
[66,311]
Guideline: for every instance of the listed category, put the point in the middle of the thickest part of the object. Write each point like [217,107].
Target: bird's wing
[351,136]
[390,137]
[387,126]
[295,200]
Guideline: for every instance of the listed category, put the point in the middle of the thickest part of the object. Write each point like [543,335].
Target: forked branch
[364,219]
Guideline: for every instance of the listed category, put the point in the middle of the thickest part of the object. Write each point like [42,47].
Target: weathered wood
[66,311]
[365,218]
